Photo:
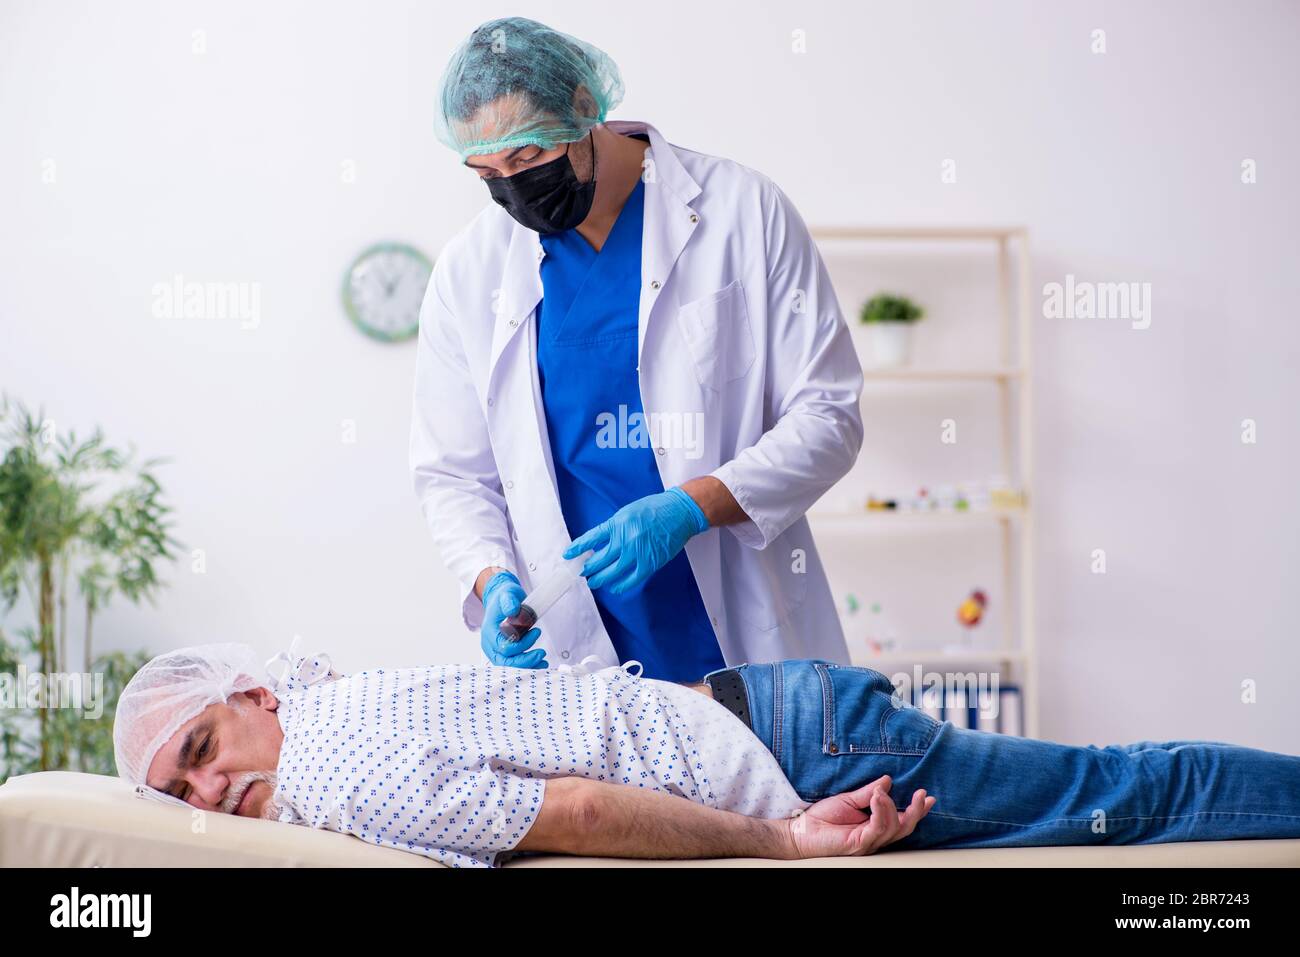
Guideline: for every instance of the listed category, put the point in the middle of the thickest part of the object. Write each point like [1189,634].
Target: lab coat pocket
[717,333]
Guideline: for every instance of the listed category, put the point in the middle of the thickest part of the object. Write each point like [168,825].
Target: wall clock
[383,289]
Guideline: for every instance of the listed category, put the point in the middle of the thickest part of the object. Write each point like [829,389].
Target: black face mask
[546,198]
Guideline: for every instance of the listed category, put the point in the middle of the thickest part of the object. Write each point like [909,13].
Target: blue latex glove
[638,540]
[501,597]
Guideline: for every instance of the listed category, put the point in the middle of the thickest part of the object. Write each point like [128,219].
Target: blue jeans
[834,728]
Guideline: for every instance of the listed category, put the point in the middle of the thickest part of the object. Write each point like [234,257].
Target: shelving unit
[1011,377]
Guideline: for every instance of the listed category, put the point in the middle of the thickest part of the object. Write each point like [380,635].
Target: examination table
[69,819]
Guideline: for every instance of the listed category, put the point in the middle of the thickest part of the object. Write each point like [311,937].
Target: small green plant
[888,308]
[72,513]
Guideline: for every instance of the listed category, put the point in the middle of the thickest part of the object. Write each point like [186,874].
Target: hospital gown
[451,761]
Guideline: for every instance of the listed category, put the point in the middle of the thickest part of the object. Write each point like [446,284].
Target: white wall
[1125,166]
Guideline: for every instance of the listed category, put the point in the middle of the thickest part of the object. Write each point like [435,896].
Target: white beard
[235,793]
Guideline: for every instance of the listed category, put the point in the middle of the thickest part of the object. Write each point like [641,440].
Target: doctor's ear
[584,104]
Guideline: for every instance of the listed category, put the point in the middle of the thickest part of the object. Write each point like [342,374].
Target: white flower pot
[890,343]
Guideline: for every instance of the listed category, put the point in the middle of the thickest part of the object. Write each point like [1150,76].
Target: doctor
[635,350]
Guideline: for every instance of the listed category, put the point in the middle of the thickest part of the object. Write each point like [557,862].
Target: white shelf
[887,518]
[906,659]
[932,233]
[1010,363]
[908,373]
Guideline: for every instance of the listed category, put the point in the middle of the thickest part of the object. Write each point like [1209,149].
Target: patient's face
[224,758]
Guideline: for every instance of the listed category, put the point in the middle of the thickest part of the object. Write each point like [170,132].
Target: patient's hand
[839,826]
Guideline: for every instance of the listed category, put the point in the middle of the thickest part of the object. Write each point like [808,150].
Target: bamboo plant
[74,514]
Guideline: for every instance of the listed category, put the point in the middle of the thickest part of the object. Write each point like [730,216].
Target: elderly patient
[788,760]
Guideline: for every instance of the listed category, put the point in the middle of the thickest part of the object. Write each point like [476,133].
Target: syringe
[542,598]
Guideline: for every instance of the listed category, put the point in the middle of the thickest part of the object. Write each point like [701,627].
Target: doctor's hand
[638,540]
[501,597]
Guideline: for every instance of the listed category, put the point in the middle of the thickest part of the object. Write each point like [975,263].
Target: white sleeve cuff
[754,532]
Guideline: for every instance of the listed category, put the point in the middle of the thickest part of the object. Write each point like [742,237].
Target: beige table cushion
[67,819]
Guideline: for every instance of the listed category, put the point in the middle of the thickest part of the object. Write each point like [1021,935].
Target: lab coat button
[660,450]
[513,323]
[695,218]
[489,400]
[654,283]
[532,566]
[510,484]
[564,654]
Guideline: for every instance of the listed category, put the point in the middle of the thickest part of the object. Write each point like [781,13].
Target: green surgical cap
[516,81]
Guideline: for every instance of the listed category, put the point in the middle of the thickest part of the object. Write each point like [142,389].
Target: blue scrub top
[586,359]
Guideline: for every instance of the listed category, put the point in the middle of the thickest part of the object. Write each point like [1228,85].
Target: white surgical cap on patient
[169,691]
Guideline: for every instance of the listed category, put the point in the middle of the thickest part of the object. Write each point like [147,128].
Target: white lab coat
[739,330]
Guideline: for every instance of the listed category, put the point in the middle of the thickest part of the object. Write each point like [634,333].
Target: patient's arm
[600,819]
[580,816]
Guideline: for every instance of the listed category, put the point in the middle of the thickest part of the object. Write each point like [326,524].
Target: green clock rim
[350,308]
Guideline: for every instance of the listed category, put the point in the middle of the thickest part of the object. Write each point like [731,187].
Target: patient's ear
[262,698]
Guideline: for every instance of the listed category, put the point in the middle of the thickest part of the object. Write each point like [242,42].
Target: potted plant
[82,520]
[890,319]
